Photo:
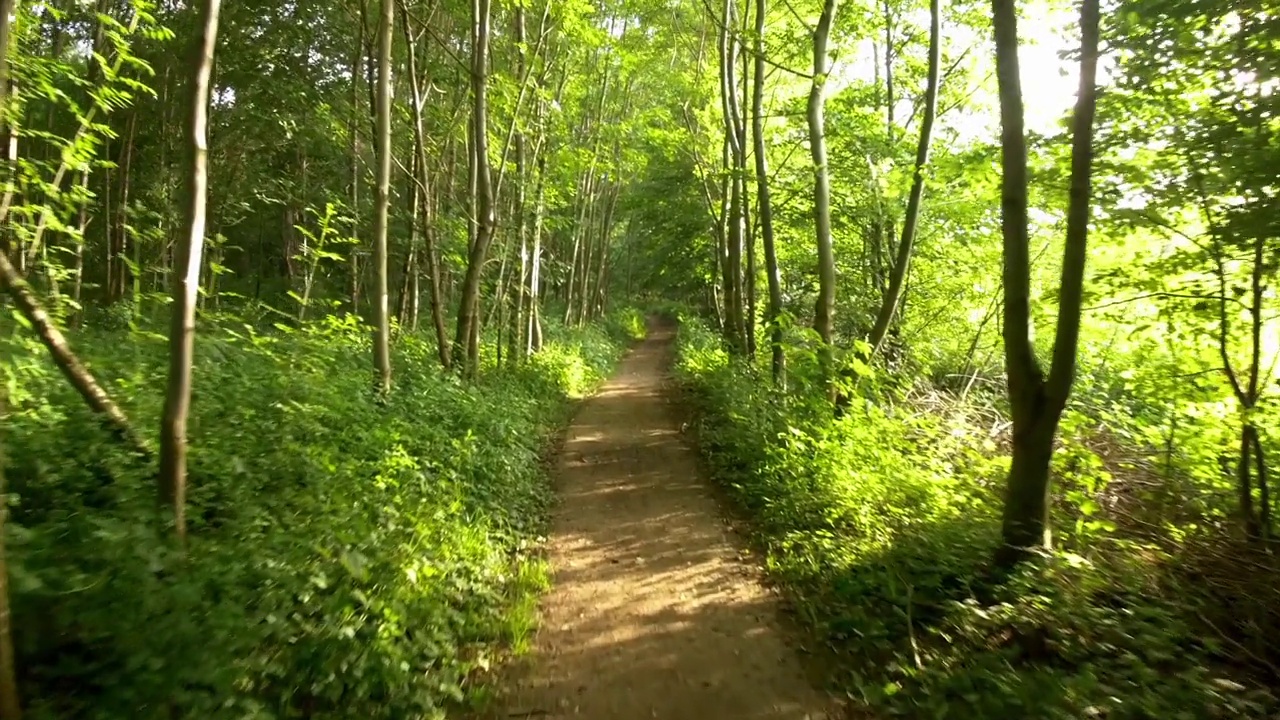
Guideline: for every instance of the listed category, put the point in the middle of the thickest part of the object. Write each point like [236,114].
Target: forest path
[653,612]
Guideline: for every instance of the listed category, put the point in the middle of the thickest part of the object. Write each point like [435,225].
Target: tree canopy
[978,308]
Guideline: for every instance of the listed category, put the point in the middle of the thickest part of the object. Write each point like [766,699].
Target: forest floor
[655,611]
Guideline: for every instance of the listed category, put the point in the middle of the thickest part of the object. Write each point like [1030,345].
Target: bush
[348,557]
[879,527]
[626,324]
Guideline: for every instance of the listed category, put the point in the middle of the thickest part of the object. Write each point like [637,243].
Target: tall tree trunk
[468,322]
[581,238]
[748,221]
[534,343]
[602,264]
[82,223]
[10,707]
[408,275]
[824,311]
[381,309]
[764,205]
[182,329]
[1036,402]
[591,201]
[522,226]
[722,239]
[354,133]
[733,219]
[426,207]
[131,274]
[898,274]
[1257,290]
[1246,392]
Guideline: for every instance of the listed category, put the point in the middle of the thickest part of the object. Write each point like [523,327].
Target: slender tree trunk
[182,331]
[824,312]
[131,275]
[426,207]
[535,265]
[10,706]
[517,325]
[354,133]
[75,371]
[408,275]
[468,322]
[748,220]
[890,106]
[580,240]
[1264,488]
[381,310]
[898,273]
[1244,479]
[1037,402]
[723,311]
[1257,290]
[602,263]
[415,295]
[584,272]
[734,168]
[82,221]
[764,205]
[12,171]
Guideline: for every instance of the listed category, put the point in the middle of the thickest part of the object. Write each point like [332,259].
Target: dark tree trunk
[10,707]
[468,322]
[1037,402]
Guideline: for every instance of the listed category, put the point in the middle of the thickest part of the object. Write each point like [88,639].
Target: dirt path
[652,613]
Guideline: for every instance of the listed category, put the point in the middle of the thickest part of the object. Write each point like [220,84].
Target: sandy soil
[654,613]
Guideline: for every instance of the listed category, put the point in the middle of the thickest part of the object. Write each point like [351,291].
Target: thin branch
[797,16]
[1224,324]
[748,48]
[1157,295]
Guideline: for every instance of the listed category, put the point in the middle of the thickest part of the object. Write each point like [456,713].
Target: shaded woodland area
[978,331]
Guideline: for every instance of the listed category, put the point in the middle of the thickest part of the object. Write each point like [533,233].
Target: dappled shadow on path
[652,613]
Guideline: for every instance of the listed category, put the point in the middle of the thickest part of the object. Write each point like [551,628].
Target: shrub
[348,557]
[626,324]
[879,526]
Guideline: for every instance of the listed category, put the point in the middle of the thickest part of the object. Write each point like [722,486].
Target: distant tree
[381,308]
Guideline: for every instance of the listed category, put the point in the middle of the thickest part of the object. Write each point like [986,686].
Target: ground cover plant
[346,555]
[881,526]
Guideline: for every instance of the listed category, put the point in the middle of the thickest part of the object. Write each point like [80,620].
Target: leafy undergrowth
[880,525]
[348,558]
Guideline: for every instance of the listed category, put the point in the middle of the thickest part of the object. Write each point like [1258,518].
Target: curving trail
[652,614]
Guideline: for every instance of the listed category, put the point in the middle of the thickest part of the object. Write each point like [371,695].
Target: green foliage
[626,324]
[880,526]
[349,557]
